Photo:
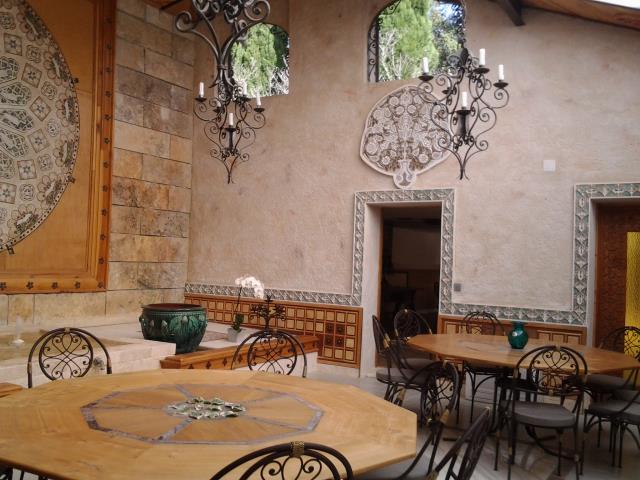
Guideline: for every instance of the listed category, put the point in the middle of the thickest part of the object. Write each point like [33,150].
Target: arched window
[405,31]
[261,60]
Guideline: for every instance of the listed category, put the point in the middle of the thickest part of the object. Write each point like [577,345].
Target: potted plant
[245,282]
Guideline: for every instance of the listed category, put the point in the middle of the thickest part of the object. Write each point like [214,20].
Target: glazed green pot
[518,336]
[179,323]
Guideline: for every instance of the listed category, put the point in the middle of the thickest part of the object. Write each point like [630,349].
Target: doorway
[617,297]
[410,263]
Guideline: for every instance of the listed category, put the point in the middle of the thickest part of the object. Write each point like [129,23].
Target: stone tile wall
[151,185]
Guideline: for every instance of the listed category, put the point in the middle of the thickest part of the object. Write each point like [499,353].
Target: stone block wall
[151,184]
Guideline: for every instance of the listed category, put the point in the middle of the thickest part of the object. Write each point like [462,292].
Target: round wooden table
[134,425]
[495,350]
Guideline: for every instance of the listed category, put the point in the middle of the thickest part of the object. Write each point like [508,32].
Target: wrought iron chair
[472,441]
[409,323]
[397,374]
[270,349]
[482,323]
[625,340]
[65,353]
[622,411]
[548,371]
[6,473]
[439,398]
[295,460]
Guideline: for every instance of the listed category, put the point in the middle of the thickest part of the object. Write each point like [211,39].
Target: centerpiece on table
[244,283]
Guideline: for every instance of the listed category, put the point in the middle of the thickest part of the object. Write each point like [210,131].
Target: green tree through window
[408,30]
[261,61]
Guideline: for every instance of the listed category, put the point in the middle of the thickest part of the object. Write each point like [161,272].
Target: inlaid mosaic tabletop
[168,423]
[202,414]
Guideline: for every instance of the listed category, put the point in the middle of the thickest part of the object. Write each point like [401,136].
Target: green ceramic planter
[179,323]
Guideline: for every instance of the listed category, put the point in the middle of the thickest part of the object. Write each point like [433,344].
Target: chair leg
[513,429]
[498,433]
[473,395]
[623,427]
[613,435]
[559,433]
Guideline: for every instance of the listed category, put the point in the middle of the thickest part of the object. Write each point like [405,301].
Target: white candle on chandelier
[465,100]
[482,59]
[425,65]
[258,100]
[231,120]
[201,90]
[500,72]
[244,88]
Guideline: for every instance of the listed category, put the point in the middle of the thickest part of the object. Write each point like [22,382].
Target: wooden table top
[495,350]
[123,427]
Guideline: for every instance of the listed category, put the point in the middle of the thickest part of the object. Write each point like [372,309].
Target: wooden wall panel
[68,252]
[338,329]
[551,332]
[614,221]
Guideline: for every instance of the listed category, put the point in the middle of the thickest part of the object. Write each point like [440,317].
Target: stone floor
[531,462]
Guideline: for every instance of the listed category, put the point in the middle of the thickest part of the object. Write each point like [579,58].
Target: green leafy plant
[238,320]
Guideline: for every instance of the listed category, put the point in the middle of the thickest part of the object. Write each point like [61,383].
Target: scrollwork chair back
[467,449]
[289,461]
[273,351]
[624,340]
[65,353]
[409,323]
[482,323]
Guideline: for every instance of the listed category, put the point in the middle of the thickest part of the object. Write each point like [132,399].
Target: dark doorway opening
[410,276]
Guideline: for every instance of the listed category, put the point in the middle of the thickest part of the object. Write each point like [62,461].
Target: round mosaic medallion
[39,122]
[401,139]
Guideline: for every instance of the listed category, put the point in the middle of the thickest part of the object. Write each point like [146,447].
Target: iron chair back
[65,353]
[474,438]
[272,350]
[482,323]
[289,461]
[409,323]
[624,340]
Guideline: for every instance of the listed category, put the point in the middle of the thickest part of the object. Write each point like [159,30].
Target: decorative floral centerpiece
[244,283]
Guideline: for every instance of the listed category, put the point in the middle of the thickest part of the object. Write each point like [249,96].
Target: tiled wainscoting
[337,328]
[543,331]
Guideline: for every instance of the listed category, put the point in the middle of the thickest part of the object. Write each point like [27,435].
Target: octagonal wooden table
[127,426]
[495,350]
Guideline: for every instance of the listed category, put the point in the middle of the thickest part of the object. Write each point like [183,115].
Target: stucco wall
[151,195]
[288,219]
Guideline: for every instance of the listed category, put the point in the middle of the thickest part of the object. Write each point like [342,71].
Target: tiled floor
[531,462]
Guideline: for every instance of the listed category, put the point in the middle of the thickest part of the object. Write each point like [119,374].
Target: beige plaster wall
[288,219]
[151,186]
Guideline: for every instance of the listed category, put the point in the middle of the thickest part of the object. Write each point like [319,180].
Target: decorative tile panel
[583,194]
[338,329]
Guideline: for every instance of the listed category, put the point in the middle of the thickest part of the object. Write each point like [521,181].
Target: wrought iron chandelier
[230,119]
[464,111]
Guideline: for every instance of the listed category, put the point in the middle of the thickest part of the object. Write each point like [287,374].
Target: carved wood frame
[95,276]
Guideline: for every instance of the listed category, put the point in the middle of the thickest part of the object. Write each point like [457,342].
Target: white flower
[250,282]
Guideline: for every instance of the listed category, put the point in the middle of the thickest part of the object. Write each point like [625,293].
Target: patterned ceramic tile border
[583,194]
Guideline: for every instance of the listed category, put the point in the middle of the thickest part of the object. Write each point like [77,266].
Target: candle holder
[227,95]
[463,73]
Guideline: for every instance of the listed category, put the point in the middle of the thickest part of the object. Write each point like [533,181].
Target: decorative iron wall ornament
[464,103]
[230,120]
[39,123]
[400,138]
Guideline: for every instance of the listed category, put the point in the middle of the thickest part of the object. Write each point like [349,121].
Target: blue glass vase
[518,336]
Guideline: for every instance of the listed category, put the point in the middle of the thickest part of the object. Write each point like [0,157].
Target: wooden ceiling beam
[513,8]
